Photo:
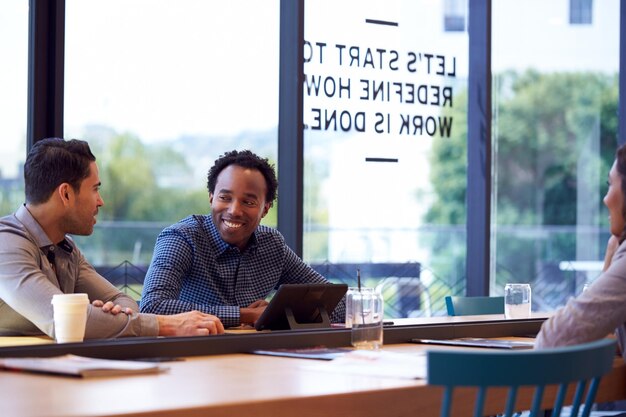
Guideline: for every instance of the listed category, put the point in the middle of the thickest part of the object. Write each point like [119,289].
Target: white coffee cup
[70,317]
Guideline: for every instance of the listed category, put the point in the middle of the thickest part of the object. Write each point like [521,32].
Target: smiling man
[226,264]
[39,260]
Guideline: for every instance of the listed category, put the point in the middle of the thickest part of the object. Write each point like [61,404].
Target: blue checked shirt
[192,268]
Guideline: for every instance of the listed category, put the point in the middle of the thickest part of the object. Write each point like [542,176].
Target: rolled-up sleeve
[105,325]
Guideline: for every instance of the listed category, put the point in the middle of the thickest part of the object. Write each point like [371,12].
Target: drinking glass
[517,301]
[366,307]
[349,295]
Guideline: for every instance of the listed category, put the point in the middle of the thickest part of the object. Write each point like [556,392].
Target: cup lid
[70,298]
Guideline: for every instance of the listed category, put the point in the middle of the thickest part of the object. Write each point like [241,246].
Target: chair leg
[446,404]
[536,407]
[510,402]
[480,402]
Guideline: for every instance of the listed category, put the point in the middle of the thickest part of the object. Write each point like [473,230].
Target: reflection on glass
[13,85]
[385,144]
[161,102]
[555,119]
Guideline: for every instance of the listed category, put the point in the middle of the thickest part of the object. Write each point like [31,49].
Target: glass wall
[13,102]
[385,103]
[161,89]
[555,90]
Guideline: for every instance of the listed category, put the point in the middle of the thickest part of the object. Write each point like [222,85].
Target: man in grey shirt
[39,260]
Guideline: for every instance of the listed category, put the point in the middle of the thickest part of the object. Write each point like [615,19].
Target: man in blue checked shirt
[226,263]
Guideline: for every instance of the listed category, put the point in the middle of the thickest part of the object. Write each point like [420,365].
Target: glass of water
[517,301]
[366,307]
[349,296]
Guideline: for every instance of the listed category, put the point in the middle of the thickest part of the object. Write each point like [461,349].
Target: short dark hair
[245,159]
[52,162]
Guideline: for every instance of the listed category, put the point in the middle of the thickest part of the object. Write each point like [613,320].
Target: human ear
[64,191]
[266,209]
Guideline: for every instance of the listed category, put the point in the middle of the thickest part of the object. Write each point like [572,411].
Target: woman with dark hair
[601,309]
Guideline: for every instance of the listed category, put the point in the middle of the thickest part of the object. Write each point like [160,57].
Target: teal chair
[468,306]
[512,369]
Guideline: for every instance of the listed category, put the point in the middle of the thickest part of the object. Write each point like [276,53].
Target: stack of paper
[80,366]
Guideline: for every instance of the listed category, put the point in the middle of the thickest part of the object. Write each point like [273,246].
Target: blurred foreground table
[240,384]
[247,384]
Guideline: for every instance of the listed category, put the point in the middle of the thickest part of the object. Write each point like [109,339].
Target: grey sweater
[594,314]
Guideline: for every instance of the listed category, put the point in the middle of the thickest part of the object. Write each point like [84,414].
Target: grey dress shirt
[594,314]
[28,282]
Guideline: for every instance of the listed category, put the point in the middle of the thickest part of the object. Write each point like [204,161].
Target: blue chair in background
[468,306]
[513,369]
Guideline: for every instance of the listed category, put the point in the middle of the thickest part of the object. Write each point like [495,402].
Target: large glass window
[555,90]
[161,89]
[13,102]
[385,94]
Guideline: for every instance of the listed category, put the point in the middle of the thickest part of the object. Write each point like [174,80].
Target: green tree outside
[541,123]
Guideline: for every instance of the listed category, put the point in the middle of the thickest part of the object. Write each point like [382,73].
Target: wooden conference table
[240,384]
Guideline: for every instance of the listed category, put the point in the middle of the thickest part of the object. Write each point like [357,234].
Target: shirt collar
[223,247]
[37,232]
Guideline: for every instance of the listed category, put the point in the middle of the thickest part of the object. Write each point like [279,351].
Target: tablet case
[301,306]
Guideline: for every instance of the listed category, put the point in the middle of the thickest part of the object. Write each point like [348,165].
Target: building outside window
[455,15]
[581,12]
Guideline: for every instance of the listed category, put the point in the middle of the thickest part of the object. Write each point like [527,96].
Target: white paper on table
[80,366]
[377,363]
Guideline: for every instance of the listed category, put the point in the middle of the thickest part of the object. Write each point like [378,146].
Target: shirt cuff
[229,315]
[149,324]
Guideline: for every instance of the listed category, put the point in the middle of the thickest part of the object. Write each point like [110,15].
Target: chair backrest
[468,306]
[538,368]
